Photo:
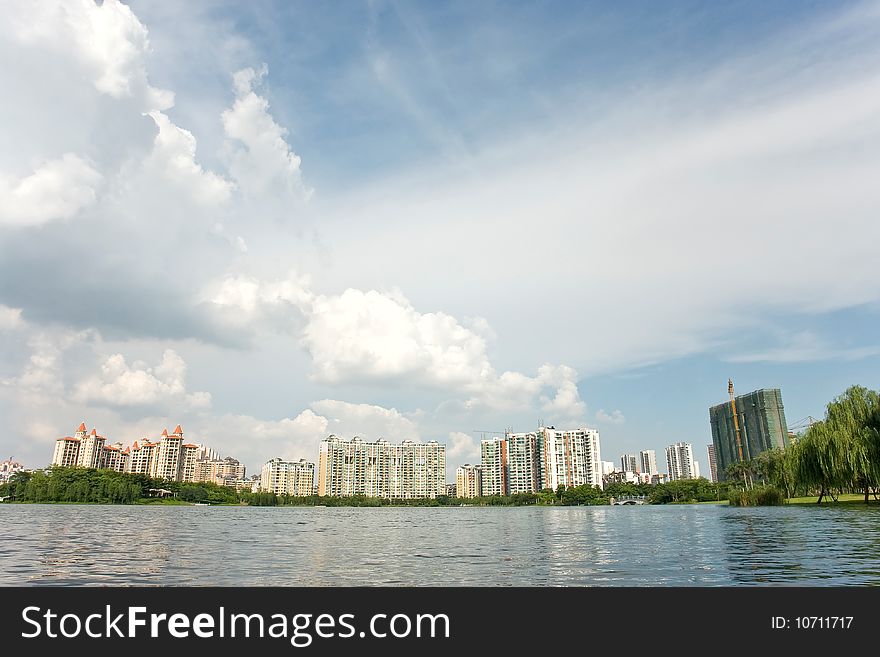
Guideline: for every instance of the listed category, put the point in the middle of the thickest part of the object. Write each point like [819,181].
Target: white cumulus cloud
[57,189]
[10,318]
[106,37]
[615,417]
[363,336]
[120,384]
[462,448]
[260,157]
[368,421]
[174,158]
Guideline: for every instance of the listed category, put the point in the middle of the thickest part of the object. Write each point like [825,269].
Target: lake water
[694,545]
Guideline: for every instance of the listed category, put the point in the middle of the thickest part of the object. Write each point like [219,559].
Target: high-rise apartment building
[629,463]
[648,462]
[88,450]
[756,425]
[523,463]
[546,458]
[141,457]
[66,452]
[296,478]
[680,461]
[167,458]
[493,458]
[405,471]
[713,471]
[468,480]
[115,458]
[569,458]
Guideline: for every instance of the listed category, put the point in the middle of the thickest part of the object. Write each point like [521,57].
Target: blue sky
[271,221]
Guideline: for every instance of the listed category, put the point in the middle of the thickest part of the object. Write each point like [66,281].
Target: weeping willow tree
[776,467]
[842,452]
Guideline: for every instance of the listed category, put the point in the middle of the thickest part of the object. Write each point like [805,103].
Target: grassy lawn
[848,498]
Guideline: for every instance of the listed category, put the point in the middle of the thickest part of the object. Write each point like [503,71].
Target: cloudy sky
[274,221]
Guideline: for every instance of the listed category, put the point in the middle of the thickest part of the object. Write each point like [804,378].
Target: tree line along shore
[831,460]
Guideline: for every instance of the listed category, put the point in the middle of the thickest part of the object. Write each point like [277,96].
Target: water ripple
[61,545]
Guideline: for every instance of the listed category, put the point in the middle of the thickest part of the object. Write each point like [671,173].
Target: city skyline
[274,224]
[522,457]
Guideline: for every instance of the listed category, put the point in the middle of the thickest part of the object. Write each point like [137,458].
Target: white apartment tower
[680,461]
[493,458]
[629,463]
[713,472]
[142,457]
[405,471]
[523,474]
[546,458]
[469,481]
[67,450]
[168,456]
[281,477]
[648,462]
[569,458]
[90,448]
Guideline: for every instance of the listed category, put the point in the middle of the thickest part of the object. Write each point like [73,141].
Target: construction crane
[739,446]
[803,423]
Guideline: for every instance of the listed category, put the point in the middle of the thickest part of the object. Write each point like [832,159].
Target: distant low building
[620,477]
[8,468]
[226,472]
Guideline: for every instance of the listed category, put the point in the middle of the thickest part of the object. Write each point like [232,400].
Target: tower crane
[739,446]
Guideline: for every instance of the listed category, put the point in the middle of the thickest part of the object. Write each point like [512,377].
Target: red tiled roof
[177,429]
[82,427]
[135,445]
[94,432]
[164,432]
[190,445]
[69,438]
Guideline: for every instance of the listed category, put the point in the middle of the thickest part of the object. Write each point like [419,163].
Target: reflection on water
[701,545]
[803,545]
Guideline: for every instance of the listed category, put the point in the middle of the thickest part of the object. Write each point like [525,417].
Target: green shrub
[758,496]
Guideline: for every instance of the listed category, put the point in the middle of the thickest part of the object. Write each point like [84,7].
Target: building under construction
[747,425]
